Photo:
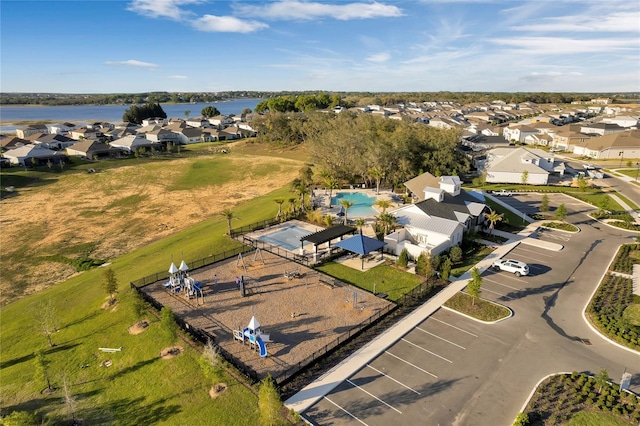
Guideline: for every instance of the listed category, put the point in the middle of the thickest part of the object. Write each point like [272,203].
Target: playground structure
[253,334]
[181,282]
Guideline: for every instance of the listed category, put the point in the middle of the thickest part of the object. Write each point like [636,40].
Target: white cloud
[162,8]
[178,77]
[549,76]
[133,63]
[614,22]
[379,57]
[301,10]
[227,24]
[564,45]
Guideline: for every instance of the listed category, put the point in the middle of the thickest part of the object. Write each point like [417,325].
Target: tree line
[359,148]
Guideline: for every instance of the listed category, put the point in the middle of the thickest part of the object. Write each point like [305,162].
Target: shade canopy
[360,244]
[328,234]
[253,324]
[184,267]
[172,268]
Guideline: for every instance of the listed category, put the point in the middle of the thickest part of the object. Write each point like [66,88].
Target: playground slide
[263,347]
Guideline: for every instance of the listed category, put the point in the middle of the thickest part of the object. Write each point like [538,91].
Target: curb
[479,320]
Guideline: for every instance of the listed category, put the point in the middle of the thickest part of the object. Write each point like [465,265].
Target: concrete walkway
[626,206]
[310,394]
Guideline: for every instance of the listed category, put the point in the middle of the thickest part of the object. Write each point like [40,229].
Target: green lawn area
[632,314]
[593,418]
[471,260]
[482,309]
[628,201]
[632,173]
[387,279]
[596,198]
[561,225]
[139,387]
[511,221]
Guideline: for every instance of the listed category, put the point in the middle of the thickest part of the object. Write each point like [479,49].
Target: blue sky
[349,45]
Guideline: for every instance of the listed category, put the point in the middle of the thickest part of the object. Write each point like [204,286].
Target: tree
[561,212]
[525,177]
[292,204]
[137,113]
[604,204]
[424,266]
[211,363]
[377,173]
[69,400]
[494,217]
[445,269]
[387,220]
[331,183]
[269,403]
[582,183]
[474,284]
[544,204]
[403,258]
[46,317]
[229,216]
[301,188]
[110,283]
[327,219]
[360,222]
[522,419]
[138,305]
[187,113]
[346,205]
[455,254]
[41,369]
[246,111]
[602,378]
[279,201]
[209,111]
[383,204]
[169,326]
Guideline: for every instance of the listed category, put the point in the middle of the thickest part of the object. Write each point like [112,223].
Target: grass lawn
[512,220]
[139,387]
[592,418]
[482,309]
[387,279]
[632,173]
[470,261]
[631,204]
[561,225]
[632,314]
[596,198]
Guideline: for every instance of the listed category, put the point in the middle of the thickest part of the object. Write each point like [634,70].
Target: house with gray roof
[508,165]
[439,220]
[619,145]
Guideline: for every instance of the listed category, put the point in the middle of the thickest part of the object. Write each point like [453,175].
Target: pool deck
[321,198]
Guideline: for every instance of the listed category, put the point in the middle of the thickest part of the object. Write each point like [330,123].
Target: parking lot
[451,369]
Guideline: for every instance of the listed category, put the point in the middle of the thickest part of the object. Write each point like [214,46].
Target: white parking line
[441,338]
[499,294]
[373,396]
[352,416]
[413,365]
[453,326]
[427,351]
[536,252]
[511,277]
[499,283]
[391,378]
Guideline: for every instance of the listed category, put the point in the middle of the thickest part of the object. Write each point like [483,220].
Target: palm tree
[327,219]
[346,205]
[388,221]
[227,214]
[292,204]
[331,183]
[315,216]
[279,201]
[360,222]
[378,174]
[493,218]
[300,187]
[383,204]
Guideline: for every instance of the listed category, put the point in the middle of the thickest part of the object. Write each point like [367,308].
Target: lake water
[110,113]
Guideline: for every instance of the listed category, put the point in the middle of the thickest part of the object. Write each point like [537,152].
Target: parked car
[589,166]
[556,150]
[502,193]
[514,266]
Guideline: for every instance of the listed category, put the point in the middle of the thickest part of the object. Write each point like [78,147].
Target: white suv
[510,265]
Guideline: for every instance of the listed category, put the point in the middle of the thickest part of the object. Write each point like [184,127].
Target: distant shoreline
[88,105]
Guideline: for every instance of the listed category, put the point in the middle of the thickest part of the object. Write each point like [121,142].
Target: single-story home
[92,150]
[133,143]
[33,155]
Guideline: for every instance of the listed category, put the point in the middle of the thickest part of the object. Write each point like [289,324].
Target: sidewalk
[308,396]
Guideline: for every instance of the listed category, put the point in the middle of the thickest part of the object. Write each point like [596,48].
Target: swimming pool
[287,237]
[361,203]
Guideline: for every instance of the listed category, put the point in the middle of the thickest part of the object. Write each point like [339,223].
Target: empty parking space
[426,359]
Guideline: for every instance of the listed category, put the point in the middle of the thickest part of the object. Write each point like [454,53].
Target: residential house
[54,141]
[15,142]
[92,150]
[619,145]
[508,165]
[33,155]
[601,128]
[61,128]
[85,133]
[518,133]
[625,121]
[198,122]
[162,136]
[154,120]
[134,143]
[190,134]
[31,130]
[439,220]
[221,121]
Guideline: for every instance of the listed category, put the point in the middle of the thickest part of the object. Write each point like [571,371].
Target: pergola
[327,235]
[361,245]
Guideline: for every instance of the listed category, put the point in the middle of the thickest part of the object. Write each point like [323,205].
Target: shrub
[403,258]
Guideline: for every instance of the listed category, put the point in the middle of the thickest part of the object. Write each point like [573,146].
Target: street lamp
[637,170]
[621,155]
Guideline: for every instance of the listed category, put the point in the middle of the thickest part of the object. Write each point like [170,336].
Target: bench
[329,283]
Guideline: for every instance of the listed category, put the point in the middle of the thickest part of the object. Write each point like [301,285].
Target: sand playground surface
[301,315]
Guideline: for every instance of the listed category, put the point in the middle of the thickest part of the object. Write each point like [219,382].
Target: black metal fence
[278,251]
[413,297]
[236,232]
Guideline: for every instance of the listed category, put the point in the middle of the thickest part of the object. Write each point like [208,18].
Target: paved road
[453,370]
